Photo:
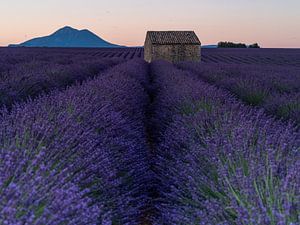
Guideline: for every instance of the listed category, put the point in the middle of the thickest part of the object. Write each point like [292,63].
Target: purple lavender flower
[77,156]
[219,162]
[265,86]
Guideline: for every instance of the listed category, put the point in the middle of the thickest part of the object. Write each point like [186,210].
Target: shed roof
[173,37]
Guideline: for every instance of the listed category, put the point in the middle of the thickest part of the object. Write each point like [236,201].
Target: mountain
[209,46]
[68,37]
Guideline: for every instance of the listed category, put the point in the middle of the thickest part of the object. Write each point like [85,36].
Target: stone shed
[173,46]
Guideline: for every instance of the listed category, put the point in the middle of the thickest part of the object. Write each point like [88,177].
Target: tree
[226,44]
[255,45]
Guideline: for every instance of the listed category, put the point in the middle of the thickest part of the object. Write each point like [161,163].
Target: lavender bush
[37,77]
[88,136]
[77,156]
[284,106]
[255,85]
[219,162]
[30,72]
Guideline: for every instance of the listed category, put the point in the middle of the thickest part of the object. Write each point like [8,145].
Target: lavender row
[274,88]
[36,77]
[77,156]
[218,161]
[12,57]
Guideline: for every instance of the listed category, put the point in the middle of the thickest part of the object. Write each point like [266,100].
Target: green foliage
[255,45]
[226,44]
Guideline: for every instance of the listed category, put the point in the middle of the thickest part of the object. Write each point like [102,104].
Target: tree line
[226,44]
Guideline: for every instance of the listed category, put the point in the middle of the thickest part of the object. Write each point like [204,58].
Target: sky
[271,23]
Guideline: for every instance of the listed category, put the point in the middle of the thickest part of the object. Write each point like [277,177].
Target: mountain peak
[69,37]
[66,29]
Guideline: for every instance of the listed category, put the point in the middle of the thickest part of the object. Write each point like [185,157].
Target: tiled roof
[173,37]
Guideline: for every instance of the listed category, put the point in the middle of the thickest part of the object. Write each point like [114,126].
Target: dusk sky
[271,23]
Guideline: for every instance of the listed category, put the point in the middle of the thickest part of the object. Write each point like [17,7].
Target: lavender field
[99,136]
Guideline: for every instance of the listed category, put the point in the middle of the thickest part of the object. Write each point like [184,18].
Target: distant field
[287,57]
[99,136]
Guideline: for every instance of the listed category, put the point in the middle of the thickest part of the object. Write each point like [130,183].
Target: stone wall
[172,53]
[148,50]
